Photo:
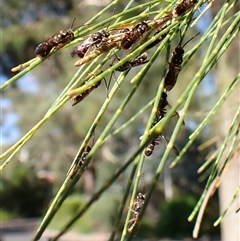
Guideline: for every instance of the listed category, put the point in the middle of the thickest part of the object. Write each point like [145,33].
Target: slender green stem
[219,220]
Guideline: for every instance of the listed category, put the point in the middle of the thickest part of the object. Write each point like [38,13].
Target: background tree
[51,149]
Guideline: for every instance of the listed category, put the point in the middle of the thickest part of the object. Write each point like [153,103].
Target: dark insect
[150,148]
[96,38]
[141,59]
[80,161]
[123,30]
[43,49]
[99,36]
[161,112]
[78,98]
[133,35]
[137,206]
[58,40]
[82,49]
[183,7]
[175,66]
[102,48]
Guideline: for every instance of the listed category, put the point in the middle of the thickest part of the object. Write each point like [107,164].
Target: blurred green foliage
[23,194]
[173,218]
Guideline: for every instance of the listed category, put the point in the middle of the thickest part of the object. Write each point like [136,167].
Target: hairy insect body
[160,114]
[133,35]
[175,66]
[58,40]
[137,206]
[78,98]
[142,59]
[183,7]
[80,161]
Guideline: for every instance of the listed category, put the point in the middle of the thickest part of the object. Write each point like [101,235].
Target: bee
[99,36]
[102,48]
[137,206]
[175,65]
[161,112]
[131,36]
[58,40]
[96,38]
[84,48]
[150,148]
[80,161]
[183,7]
[155,142]
[78,98]
[141,59]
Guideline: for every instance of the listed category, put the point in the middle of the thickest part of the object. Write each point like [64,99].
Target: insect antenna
[73,23]
[191,39]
